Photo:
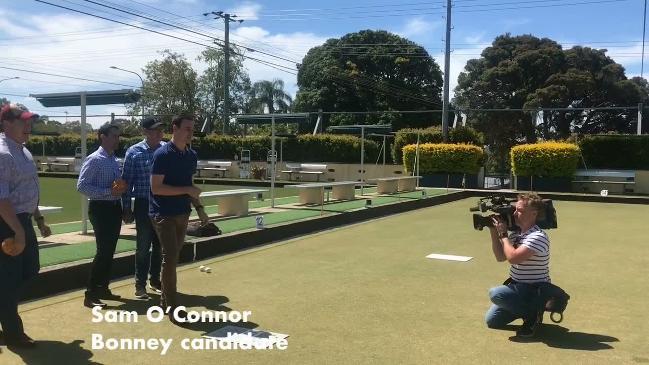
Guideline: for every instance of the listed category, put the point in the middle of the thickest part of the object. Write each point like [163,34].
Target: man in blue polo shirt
[172,194]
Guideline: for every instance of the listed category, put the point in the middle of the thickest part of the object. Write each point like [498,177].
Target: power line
[150,30]
[64,76]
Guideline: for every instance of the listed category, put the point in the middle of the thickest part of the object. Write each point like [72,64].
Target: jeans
[15,271]
[510,302]
[171,233]
[106,219]
[147,252]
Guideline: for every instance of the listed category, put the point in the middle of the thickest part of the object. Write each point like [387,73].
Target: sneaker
[155,287]
[140,293]
[91,302]
[530,326]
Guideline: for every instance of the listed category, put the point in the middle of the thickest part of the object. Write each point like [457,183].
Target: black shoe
[140,293]
[530,326]
[21,341]
[155,287]
[92,302]
[108,295]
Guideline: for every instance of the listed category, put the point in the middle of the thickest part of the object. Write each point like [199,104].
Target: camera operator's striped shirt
[536,268]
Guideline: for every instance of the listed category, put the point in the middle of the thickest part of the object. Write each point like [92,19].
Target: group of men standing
[154,188]
[157,176]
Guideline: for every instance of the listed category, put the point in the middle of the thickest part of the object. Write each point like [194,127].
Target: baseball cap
[151,123]
[16,111]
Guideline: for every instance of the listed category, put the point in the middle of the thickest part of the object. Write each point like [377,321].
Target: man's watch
[198,207]
[503,234]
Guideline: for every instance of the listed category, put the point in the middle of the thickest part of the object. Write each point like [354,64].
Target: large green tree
[528,72]
[170,86]
[210,85]
[369,71]
[269,96]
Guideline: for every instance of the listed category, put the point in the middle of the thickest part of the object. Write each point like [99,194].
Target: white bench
[217,166]
[611,179]
[232,202]
[305,169]
[314,193]
[58,162]
[391,185]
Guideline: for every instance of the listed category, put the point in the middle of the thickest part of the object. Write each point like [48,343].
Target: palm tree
[271,95]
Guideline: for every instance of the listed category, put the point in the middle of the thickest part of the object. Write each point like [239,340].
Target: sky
[41,42]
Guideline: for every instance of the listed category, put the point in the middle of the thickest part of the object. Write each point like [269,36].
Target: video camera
[502,207]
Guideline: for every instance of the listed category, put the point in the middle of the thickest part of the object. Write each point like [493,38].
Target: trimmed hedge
[546,159]
[304,148]
[616,152]
[408,136]
[444,158]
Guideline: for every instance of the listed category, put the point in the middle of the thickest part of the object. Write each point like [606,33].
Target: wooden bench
[232,202]
[391,185]
[305,169]
[47,210]
[63,162]
[584,180]
[217,166]
[314,193]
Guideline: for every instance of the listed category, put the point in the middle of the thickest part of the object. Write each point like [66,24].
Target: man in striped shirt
[137,174]
[99,180]
[528,252]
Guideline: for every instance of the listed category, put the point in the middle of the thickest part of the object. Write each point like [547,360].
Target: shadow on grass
[56,352]
[560,337]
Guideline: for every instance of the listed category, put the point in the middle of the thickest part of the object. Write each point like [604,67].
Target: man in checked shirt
[137,174]
[100,180]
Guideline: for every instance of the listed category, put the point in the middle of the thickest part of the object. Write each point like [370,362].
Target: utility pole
[447,70]
[644,27]
[227,19]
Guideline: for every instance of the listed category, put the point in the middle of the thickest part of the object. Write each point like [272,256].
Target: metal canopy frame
[362,127]
[83,99]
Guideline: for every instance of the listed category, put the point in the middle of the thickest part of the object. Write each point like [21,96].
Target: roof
[104,97]
[356,128]
[268,118]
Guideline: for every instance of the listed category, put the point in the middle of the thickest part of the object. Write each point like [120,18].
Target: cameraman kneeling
[528,252]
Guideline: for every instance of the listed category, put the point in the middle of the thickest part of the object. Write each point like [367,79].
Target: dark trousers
[148,257]
[15,272]
[106,219]
[171,233]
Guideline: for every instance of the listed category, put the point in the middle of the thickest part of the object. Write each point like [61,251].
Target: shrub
[444,158]
[547,159]
[408,136]
[616,151]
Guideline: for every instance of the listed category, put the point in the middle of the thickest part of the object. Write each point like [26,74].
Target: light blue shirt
[18,176]
[97,174]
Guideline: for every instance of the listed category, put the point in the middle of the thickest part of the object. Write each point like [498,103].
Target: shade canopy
[268,118]
[104,97]
[357,128]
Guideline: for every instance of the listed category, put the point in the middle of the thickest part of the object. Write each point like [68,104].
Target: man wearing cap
[99,180]
[173,193]
[19,193]
[137,175]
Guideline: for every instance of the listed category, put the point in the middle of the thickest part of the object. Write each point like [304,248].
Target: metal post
[362,157]
[84,153]
[640,107]
[273,157]
[447,70]
[226,79]
[384,149]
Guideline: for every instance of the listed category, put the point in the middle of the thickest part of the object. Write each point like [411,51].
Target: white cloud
[246,11]
[418,27]
[459,57]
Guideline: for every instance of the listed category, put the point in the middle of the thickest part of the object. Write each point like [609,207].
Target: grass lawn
[62,192]
[366,294]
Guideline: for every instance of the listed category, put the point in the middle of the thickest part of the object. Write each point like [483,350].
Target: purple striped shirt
[18,176]
[97,174]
